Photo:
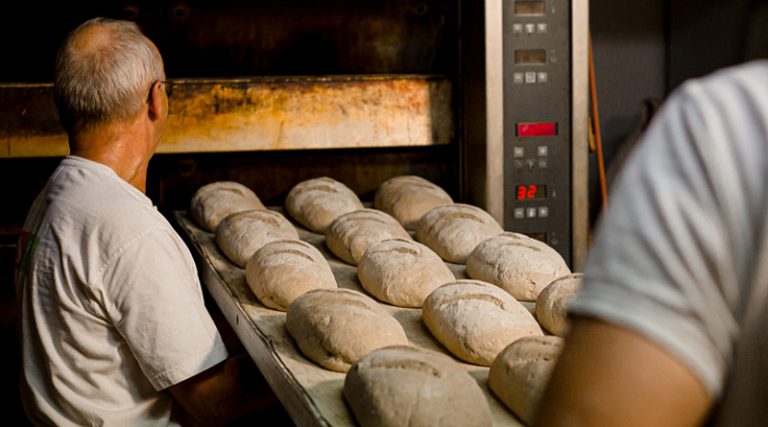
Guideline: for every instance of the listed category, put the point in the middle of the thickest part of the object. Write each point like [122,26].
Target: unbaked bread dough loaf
[407,386]
[213,202]
[402,272]
[520,373]
[454,230]
[283,270]
[552,303]
[241,234]
[519,264]
[408,197]
[316,202]
[476,320]
[335,327]
[352,233]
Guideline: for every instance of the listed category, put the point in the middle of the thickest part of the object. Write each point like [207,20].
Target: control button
[530,163]
[518,164]
[530,77]
[518,152]
[542,150]
[543,211]
[542,164]
[530,213]
[530,28]
[519,213]
[518,78]
[542,76]
[517,28]
[541,27]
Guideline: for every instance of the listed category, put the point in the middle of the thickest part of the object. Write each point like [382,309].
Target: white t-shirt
[111,307]
[682,253]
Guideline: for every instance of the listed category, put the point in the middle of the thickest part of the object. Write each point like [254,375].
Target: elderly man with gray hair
[113,324]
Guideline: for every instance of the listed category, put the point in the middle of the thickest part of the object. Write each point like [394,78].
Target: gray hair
[108,83]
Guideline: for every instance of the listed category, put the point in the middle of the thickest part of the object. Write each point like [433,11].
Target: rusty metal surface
[259,114]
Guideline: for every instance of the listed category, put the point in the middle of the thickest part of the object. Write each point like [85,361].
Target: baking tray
[311,395]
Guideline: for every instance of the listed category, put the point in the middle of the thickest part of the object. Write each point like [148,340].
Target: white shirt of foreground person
[112,311]
[682,255]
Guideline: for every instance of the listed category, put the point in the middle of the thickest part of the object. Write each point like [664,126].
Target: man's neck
[121,147]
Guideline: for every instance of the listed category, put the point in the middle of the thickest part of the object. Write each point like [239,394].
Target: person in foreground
[671,326]
[113,324]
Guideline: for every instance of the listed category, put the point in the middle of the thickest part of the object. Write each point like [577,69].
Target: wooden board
[311,394]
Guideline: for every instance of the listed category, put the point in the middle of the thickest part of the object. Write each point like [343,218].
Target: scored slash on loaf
[336,327]
[519,264]
[453,231]
[213,202]
[352,233]
[406,386]
[241,234]
[316,202]
[408,197]
[475,320]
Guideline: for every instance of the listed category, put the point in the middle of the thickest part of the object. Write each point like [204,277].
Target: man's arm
[224,393]
[608,375]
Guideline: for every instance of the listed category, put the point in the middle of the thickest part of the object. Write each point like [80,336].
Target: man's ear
[157,105]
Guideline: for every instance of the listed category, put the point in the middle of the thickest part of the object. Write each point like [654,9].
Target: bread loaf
[335,327]
[552,303]
[520,265]
[402,272]
[315,203]
[408,197]
[241,234]
[454,230]
[352,233]
[519,375]
[475,320]
[213,202]
[283,270]
[407,386]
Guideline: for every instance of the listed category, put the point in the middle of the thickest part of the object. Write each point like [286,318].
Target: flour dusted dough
[519,264]
[407,386]
[454,230]
[283,270]
[352,233]
[241,234]
[335,327]
[520,373]
[315,203]
[212,202]
[552,303]
[402,272]
[476,320]
[408,197]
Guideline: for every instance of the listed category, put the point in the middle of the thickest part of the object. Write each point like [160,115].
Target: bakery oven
[485,98]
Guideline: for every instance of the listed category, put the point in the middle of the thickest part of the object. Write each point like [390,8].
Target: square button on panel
[518,164]
[530,212]
[518,152]
[542,76]
[543,211]
[518,78]
[530,28]
[542,150]
[530,163]
[542,164]
[517,28]
[530,77]
[519,213]
[541,28]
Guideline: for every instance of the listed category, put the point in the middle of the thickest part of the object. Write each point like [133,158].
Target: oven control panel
[537,120]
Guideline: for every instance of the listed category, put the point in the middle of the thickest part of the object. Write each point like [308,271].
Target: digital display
[531,192]
[530,56]
[529,8]
[536,129]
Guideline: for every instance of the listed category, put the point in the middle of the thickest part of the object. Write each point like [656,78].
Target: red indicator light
[537,129]
[531,192]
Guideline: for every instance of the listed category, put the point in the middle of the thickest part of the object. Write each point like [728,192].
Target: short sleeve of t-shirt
[672,255]
[153,295]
